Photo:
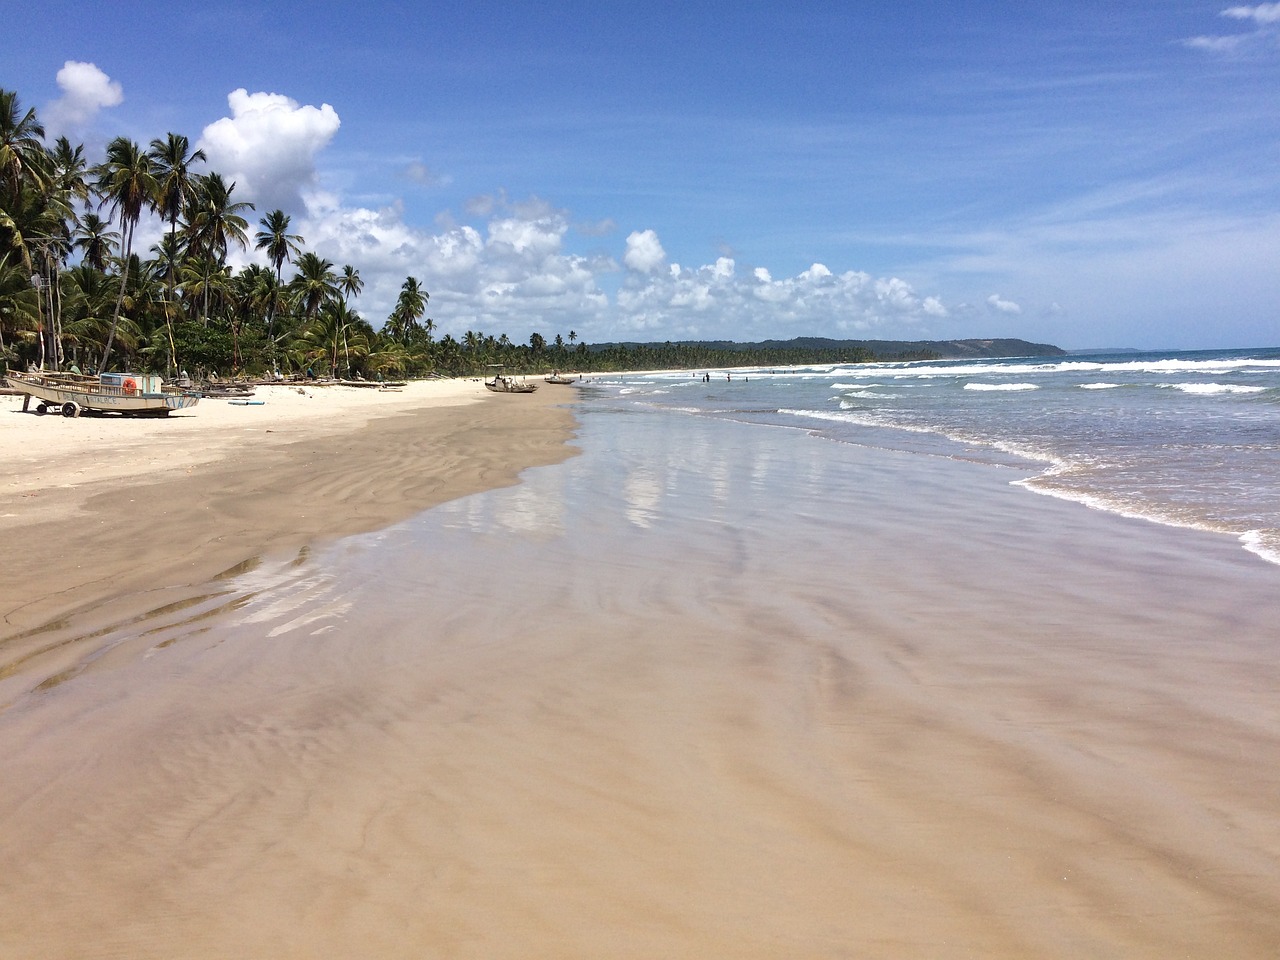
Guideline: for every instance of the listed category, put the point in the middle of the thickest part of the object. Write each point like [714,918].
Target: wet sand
[98,508]
[804,700]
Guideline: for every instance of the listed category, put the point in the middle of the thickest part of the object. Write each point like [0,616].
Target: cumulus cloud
[85,91]
[717,300]
[998,303]
[509,271]
[644,252]
[268,146]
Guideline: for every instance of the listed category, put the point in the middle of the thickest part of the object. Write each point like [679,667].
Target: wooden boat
[557,377]
[501,384]
[128,394]
[504,384]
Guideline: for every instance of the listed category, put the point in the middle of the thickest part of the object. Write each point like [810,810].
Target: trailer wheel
[71,409]
[42,410]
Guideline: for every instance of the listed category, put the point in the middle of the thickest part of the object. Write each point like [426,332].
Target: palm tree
[22,154]
[90,294]
[315,284]
[205,279]
[69,170]
[349,282]
[175,183]
[126,181]
[350,285]
[213,219]
[280,245]
[410,306]
[95,240]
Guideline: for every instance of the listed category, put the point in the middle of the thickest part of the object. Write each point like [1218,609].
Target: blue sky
[1085,174]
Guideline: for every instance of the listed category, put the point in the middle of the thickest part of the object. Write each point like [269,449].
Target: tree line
[75,290]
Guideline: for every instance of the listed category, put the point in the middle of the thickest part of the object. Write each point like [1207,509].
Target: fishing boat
[557,377]
[504,384]
[128,394]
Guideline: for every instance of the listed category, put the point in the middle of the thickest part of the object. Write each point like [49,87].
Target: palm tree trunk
[124,281]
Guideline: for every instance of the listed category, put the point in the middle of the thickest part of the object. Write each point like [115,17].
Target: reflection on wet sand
[762,713]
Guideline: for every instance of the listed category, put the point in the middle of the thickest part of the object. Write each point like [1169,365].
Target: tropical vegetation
[76,292]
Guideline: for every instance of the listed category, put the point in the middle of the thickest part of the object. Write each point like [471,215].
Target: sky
[1086,174]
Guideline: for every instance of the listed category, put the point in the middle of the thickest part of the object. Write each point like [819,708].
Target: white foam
[1255,541]
[1099,386]
[1212,389]
[865,395]
[933,370]
[1001,387]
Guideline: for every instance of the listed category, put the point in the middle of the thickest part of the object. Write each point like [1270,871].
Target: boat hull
[507,385]
[85,395]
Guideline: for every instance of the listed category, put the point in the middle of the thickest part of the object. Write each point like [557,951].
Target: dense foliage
[75,291]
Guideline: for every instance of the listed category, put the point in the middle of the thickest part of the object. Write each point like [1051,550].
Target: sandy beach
[93,508]
[705,690]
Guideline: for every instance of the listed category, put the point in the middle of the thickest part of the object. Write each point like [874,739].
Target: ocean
[1188,439]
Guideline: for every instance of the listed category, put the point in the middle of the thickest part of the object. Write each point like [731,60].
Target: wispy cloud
[1266,32]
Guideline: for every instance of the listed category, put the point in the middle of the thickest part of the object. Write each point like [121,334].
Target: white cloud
[1265,16]
[268,146]
[85,91]
[996,302]
[1217,44]
[644,251]
[509,272]
[1262,13]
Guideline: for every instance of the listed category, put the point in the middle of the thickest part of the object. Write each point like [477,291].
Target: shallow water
[1189,439]
[710,689]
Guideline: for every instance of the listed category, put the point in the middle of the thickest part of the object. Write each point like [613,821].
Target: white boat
[557,377]
[128,394]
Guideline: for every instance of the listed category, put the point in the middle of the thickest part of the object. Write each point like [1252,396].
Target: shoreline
[100,509]
[630,700]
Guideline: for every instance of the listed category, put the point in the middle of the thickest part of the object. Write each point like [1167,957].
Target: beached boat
[504,384]
[128,394]
[557,377]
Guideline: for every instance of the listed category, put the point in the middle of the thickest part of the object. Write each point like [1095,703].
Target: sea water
[1187,439]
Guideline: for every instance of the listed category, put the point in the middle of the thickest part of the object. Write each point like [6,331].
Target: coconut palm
[349,282]
[214,220]
[23,159]
[89,297]
[204,280]
[126,182]
[314,285]
[69,171]
[175,183]
[95,240]
[410,306]
[280,245]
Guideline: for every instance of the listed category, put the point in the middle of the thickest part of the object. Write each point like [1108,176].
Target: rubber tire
[71,409]
[42,410]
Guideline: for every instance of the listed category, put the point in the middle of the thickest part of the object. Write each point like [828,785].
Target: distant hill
[826,348]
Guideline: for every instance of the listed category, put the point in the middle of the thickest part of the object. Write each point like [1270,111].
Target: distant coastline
[801,350]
